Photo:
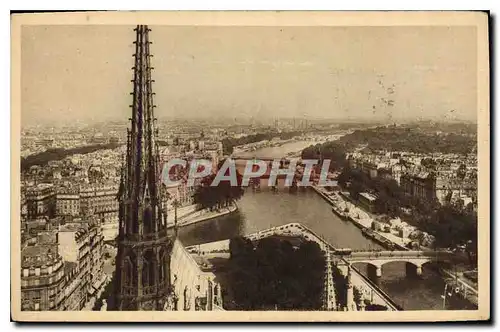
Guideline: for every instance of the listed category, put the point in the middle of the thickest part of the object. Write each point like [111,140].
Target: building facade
[42,278]
[100,200]
[367,200]
[370,169]
[80,243]
[41,201]
[193,288]
[419,185]
[67,204]
[62,269]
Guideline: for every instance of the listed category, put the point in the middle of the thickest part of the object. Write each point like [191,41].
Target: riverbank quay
[210,247]
[201,215]
[182,212]
[363,220]
[369,290]
[187,215]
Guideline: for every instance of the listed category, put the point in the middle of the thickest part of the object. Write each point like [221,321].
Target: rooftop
[38,255]
[70,227]
[40,186]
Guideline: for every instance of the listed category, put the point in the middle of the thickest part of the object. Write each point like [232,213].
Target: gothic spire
[142,262]
[142,157]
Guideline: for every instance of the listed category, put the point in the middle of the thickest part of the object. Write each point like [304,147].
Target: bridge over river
[414,259]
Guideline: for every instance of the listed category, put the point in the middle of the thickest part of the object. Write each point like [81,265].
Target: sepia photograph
[237,166]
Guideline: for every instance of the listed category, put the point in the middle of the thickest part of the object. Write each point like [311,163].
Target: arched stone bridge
[414,258]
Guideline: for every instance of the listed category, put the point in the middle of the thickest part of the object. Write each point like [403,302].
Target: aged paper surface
[234,65]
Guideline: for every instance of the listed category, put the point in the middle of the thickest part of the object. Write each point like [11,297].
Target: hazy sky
[84,72]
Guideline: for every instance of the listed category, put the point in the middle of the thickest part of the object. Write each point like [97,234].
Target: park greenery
[42,158]
[391,138]
[274,274]
[451,224]
[390,196]
[220,196]
[410,139]
[229,143]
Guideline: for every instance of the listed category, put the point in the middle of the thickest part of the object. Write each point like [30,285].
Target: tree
[355,189]
[344,176]
[461,171]
[44,157]
[222,195]
[402,139]
[205,195]
[332,151]
[276,274]
[240,247]
[228,144]
[428,163]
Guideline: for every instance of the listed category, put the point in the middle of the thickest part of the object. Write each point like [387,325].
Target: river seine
[263,209]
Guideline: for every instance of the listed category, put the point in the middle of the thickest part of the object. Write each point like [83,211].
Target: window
[37,306]
[148,269]
[148,220]
[36,295]
[130,272]
[163,266]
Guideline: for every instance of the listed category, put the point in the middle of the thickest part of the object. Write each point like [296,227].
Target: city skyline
[264,72]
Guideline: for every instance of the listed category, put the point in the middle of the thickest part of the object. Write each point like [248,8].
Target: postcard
[250,167]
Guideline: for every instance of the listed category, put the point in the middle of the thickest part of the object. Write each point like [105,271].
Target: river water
[276,152]
[263,209]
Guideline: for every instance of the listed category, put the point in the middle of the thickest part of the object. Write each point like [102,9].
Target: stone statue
[104,306]
[169,304]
